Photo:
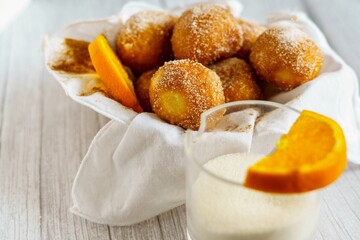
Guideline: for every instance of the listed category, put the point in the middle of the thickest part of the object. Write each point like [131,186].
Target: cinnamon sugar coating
[183,89]
[286,57]
[251,31]
[206,33]
[143,42]
[238,80]
[142,85]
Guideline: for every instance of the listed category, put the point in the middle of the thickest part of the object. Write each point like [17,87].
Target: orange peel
[112,73]
[310,156]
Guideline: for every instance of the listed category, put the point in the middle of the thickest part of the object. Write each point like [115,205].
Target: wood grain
[340,215]
[173,224]
[44,134]
[341,24]
[67,130]
[149,229]
[20,138]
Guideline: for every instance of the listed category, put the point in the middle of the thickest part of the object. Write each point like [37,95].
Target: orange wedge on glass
[112,73]
[310,156]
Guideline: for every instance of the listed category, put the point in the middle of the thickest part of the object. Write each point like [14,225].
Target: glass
[231,137]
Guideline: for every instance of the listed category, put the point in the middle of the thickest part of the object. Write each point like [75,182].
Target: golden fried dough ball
[251,31]
[268,90]
[143,42]
[206,33]
[238,80]
[286,57]
[183,89]
[142,89]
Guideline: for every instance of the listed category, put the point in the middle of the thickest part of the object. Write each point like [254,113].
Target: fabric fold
[135,166]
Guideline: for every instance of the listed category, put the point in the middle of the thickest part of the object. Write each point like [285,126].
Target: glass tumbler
[232,137]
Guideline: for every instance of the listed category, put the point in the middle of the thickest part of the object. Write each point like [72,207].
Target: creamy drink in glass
[231,138]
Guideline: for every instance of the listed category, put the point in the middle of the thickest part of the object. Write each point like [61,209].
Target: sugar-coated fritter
[251,31]
[238,80]
[143,42]
[286,57]
[206,33]
[142,85]
[183,89]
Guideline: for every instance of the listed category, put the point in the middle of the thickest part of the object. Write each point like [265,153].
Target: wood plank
[5,50]
[340,217]
[341,23]
[173,224]
[20,138]
[62,223]
[147,230]
[68,129]
[39,158]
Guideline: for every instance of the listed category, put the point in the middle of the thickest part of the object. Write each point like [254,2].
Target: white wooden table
[44,134]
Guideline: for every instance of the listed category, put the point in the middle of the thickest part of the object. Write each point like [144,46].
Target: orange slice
[311,156]
[112,73]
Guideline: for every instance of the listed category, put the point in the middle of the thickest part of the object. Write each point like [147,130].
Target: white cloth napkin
[131,173]
[135,166]
[137,171]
